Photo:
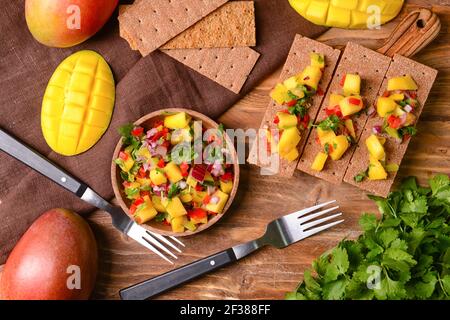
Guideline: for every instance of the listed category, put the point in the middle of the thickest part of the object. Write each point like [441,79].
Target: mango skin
[37,267]
[47,20]
[350,14]
[78,103]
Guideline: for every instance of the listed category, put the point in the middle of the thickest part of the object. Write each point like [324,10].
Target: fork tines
[308,218]
[155,242]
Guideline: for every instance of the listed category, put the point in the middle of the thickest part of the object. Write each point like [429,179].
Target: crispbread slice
[232,25]
[395,151]
[298,59]
[229,67]
[150,24]
[372,67]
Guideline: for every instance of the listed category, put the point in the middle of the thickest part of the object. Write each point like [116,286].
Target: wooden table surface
[270,273]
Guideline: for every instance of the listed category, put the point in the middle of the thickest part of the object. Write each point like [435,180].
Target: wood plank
[270,273]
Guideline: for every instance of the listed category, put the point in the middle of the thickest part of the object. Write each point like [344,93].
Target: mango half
[78,103]
[350,14]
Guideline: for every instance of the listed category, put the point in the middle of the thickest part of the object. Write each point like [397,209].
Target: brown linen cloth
[143,85]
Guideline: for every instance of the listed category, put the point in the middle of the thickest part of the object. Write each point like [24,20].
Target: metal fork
[120,220]
[280,233]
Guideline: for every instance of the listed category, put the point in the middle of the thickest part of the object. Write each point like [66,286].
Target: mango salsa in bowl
[175,171]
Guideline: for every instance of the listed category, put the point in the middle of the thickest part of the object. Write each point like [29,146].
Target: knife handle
[34,160]
[171,279]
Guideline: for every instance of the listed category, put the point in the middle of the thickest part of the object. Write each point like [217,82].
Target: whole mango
[56,259]
[351,14]
[65,23]
[78,103]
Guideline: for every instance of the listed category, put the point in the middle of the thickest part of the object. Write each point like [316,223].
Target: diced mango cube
[185,197]
[178,224]
[317,60]
[176,121]
[290,83]
[340,144]
[375,147]
[335,99]
[292,155]
[351,105]
[156,200]
[350,127]
[352,85]
[397,96]
[385,106]
[173,172]
[410,120]
[376,170]
[288,141]
[157,176]
[218,207]
[402,83]
[311,76]
[286,120]
[280,94]
[227,186]
[319,161]
[146,213]
[175,207]
[325,136]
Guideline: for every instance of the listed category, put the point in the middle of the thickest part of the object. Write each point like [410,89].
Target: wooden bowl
[147,122]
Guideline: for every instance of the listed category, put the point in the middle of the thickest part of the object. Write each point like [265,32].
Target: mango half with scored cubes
[78,103]
[350,14]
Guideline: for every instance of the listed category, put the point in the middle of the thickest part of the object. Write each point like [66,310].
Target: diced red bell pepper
[184,167]
[197,214]
[291,103]
[406,137]
[354,101]
[227,176]
[142,173]
[386,94]
[124,156]
[206,199]
[138,131]
[133,208]
[334,111]
[138,201]
[158,123]
[198,187]
[276,120]
[394,122]
[161,163]
[343,80]
[285,111]
[412,94]
[167,222]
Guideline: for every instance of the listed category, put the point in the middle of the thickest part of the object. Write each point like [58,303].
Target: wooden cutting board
[269,273]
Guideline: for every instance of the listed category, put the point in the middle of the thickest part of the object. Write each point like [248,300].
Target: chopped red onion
[151,132]
[214,200]
[376,129]
[210,189]
[403,118]
[161,150]
[182,184]
[408,108]
[371,111]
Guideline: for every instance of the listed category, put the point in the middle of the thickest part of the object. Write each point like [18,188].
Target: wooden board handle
[412,34]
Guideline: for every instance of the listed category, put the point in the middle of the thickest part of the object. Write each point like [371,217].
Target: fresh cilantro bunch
[403,255]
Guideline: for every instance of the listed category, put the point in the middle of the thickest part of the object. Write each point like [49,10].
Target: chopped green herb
[361,176]
[173,191]
[330,123]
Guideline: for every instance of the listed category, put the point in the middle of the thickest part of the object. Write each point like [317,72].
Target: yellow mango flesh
[174,207]
[173,172]
[147,213]
[157,177]
[178,224]
[319,161]
[335,99]
[348,108]
[350,127]
[375,147]
[78,103]
[226,187]
[385,106]
[280,94]
[402,83]
[311,76]
[176,121]
[340,144]
[288,141]
[286,120]
[292,155]
[317,60]
[218,207]
[156,200]
[325,136]
[351,14]
[376,170]
[352,85]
